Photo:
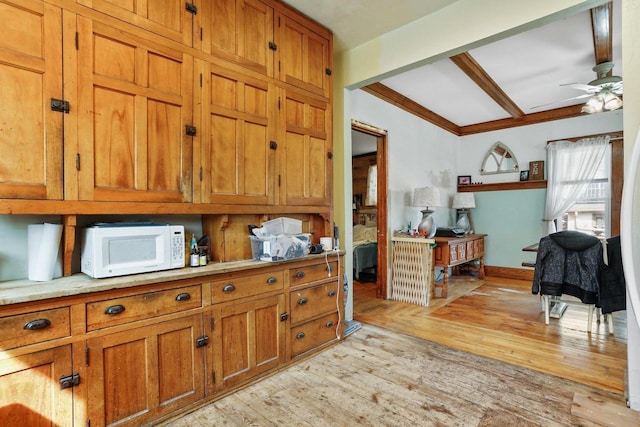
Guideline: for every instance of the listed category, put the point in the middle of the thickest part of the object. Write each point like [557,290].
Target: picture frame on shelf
[524,175]
[536,170]
[464,179]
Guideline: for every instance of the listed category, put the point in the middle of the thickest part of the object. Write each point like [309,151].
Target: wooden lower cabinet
[30,390]
[248,338]
[144,373]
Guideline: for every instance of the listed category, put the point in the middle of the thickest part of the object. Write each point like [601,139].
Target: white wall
[419,155]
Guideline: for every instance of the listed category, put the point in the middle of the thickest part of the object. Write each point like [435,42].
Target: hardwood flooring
[377,377]
[502,320]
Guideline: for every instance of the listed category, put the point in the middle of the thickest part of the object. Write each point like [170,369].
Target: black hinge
[69,381]
[86,356]
[327,71]
[273,46]
[59,105]
[213,377]
[273,145]
[77,41]
[278,180]
[190,130]
[191,8]
[278,103]
[201,33]
[77,161]
[202,341]
[213,323]
[329,155]
[201,173]
[284,316]
[200,79]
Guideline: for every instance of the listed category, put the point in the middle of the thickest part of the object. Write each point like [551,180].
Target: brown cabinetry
[30,389]
[30,72]
[306,158]
[135,100]
[247,339]
[315,304]
[140,374]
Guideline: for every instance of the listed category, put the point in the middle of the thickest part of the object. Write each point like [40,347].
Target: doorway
[369,195]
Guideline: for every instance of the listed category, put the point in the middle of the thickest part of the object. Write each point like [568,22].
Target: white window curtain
[372,186]
[571,166]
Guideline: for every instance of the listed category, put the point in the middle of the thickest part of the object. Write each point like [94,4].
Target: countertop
[20,291]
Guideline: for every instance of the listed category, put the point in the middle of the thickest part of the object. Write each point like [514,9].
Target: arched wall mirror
[499,159]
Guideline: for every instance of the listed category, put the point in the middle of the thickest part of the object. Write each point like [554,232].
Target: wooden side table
[455,251]
[412,270]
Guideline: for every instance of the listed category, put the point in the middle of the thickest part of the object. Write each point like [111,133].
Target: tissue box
[276,248]
[283,225]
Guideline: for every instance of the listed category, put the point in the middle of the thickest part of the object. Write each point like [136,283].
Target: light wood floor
[501,319]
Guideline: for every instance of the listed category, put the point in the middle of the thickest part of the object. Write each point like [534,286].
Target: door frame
[381,208]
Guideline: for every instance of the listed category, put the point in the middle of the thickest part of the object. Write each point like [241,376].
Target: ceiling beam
[601,23]
[471,68]
[392,97]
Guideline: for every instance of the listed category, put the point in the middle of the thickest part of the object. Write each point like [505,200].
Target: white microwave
[117,249]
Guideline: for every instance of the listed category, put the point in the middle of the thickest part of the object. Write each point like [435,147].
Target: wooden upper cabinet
[134,103]
[304,56]
[167,18]
[236,154]
[239,31]
[30,75]
[306,157]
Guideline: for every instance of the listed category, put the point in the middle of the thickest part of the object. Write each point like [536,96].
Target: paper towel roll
[43,244]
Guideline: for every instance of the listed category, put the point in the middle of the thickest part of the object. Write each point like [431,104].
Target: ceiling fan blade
[586,95]
[581,86]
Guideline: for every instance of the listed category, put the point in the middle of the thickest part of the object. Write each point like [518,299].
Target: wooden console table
[455,251]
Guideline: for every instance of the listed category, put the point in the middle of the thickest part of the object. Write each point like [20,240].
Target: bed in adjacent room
[365,252]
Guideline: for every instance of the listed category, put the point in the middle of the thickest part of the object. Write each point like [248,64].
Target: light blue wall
[511,219]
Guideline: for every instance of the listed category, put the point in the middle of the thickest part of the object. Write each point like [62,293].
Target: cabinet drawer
[241,287]
[310,273]
[116,311]
[31,328]
[313,334]
[314,301]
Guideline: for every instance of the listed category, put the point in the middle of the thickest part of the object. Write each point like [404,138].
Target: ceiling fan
[604,92]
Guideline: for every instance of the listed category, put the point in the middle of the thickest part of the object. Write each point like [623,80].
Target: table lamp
[462,202]
[427,196]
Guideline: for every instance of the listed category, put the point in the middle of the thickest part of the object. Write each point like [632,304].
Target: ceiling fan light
[594,105]
[589,109]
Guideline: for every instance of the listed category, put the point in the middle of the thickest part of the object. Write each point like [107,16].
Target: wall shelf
[501,186]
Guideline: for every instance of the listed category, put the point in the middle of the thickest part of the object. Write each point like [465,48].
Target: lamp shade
[463,201]
[426,196]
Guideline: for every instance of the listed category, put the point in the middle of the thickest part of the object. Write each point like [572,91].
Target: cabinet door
[304,56]
[248,339]
[144,373]
[306,165]
[168,18]
[31,75]
[237,156]
[134,103]
[30,392]
[239,31]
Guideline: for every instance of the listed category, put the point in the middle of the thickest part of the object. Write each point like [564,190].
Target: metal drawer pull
[228,288]
[332,293]
[34,325]
[329,324]
[271,280]
[114,309]
[185,296]
[302,301]
[329,268]
[299,335]
[300,274]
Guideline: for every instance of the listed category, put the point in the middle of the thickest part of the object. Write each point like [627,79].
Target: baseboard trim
[508,272]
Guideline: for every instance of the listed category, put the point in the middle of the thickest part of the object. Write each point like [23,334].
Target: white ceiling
[529,67]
